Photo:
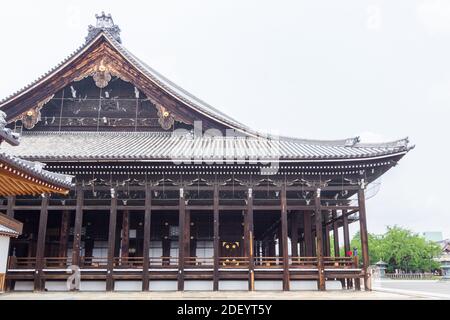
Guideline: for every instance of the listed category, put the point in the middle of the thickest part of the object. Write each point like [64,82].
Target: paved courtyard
[430,288]
[239,295]
[384,290]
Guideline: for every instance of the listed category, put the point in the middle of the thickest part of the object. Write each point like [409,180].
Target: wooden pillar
[77,226]
[294,234]
[111,241]
[301,252]
[125,241]
[280,240]
[147,228]
[187,234]
[39,283]
[193,240]
[364,236]
[272,246]
[10,206]
[284,238]
[345,231]
[314,254]
[216,238]
[308,234]
[181,246]
[319,242]
[335,234]
[346,241]
[326,238]
[64,233]
[250,238]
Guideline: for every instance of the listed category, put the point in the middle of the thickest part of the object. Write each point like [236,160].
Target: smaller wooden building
[9,228]
[21,177]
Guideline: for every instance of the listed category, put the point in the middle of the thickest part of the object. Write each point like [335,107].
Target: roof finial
[104,23]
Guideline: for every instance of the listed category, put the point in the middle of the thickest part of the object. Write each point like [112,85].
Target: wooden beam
[216,238]
[284,238]
[308,233]
[181,246]
[111,241]
[39,284]
[319,242]
[78,226]
[364,236]
[147,228]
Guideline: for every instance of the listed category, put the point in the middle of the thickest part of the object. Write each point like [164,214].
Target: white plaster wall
[268,285]
[4,248]
[160,285]
[298,285]
[24,286]
[198,285]
[227,285]
[127,285]
[92,285]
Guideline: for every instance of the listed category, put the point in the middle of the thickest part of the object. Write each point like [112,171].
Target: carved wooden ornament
[102,73]
[31,117]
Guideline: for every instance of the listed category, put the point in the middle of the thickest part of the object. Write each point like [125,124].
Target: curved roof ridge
[334,142]
[43,76]
[390,144]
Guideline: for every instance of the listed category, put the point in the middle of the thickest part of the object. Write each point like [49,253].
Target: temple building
[173,194]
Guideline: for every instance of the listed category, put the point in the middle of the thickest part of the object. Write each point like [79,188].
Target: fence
[410,276]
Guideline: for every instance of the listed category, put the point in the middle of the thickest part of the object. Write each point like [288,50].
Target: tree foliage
[401,249]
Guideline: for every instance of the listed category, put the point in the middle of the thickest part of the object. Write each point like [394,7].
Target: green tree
[401,249]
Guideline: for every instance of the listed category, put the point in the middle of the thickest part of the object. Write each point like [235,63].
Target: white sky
[315,69]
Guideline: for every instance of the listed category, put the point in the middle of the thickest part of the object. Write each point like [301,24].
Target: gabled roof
[294,147]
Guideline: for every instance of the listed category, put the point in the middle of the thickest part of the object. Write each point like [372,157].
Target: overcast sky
[312,69]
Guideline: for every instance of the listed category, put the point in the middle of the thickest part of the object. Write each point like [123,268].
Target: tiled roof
[5,231]
[49,146]
[162,146]
[34,169]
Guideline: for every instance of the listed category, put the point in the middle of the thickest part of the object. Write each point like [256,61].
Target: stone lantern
[381,267]
[445,266]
